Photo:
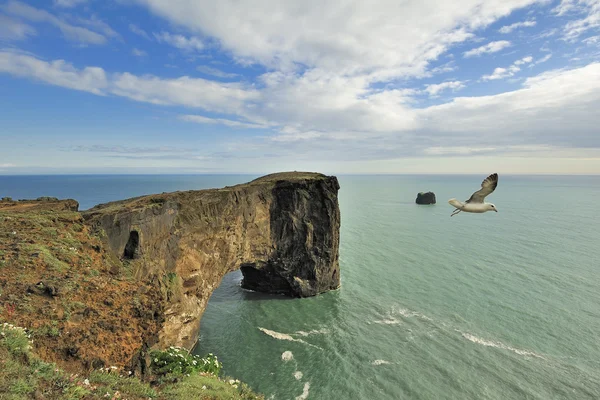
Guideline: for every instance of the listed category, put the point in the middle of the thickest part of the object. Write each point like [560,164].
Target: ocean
[478,306]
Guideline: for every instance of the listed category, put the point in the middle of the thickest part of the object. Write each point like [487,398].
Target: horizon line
[268,173]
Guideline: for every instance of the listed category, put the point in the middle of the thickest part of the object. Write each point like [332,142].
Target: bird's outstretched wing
[487,186]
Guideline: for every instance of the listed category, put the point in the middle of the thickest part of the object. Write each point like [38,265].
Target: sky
[259,86]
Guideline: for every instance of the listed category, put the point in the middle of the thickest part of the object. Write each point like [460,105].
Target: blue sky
[257,86]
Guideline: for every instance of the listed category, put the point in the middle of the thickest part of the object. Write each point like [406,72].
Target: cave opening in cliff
[132,247]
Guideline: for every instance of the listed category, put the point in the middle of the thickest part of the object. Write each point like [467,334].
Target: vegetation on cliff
[23,375]
[83,308]
[109,287]
[88,322]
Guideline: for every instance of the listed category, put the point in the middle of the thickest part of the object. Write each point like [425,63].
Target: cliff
[282,230]
[101,287]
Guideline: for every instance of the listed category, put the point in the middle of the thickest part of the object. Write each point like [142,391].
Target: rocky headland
[102,287]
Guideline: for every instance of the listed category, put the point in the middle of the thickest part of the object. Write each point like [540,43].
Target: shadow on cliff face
[132,247]
[304,224]
[230,289]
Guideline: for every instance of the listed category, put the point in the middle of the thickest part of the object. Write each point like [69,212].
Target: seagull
[476,203]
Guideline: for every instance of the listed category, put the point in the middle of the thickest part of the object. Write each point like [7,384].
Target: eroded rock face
[282,230]
[425,198]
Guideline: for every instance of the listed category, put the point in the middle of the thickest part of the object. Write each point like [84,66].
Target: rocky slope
[102,286]
[282,230]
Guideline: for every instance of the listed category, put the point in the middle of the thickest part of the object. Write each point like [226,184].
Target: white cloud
[97,25]
[591,16]
[542,60]
[457,150]
[209,95]
[222,121]
[181,42]
[491,47]
[502,73]
[184,91]
[524,60]
[68,3]
[12,29]
[446,67]
[592,40]
[69,31]
[7,165]
[380,39]
[138,52]
[205,69]
[320,114]
[58,72]
[516,25]
[139,31]
[435,89]
[553,108]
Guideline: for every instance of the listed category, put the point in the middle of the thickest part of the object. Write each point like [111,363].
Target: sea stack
[425,198]
[281,230]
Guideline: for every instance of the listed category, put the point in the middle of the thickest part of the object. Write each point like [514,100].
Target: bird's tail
[455,203]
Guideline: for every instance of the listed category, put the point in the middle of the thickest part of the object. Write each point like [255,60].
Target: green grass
[113,383]
[206,387]
[25,376]
[49,259]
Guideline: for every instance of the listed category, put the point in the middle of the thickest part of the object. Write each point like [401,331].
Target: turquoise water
[494,306]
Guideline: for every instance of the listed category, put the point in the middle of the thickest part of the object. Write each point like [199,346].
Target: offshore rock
[425,198]
[281,230]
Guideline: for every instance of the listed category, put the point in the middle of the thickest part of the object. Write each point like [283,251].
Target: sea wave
[499,345]
[312,332]
[380,362]
[287,356]
[388,321]
[390,318]
[406,313]
[305,390]
[285,336]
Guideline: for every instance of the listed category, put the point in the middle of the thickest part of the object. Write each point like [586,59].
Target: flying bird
[476,203]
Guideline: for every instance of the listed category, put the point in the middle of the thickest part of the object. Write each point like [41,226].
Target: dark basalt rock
[425,198]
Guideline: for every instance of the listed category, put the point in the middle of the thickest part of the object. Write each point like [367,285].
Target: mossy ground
[82,306]
[23,375]
[83,311]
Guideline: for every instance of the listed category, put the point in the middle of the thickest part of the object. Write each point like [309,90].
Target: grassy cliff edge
[75,323]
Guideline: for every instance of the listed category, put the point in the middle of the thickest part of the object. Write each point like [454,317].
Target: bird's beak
[495,210]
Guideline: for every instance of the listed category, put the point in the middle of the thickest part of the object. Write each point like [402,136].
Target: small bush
[16,339]
[177,361]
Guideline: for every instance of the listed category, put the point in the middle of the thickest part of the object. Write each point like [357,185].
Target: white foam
[388,321]
[312,332]
[380,362]
[298,375]
[409,314]
[280,336]
[499,345]
[304,394]
[285,336]
[287,356]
